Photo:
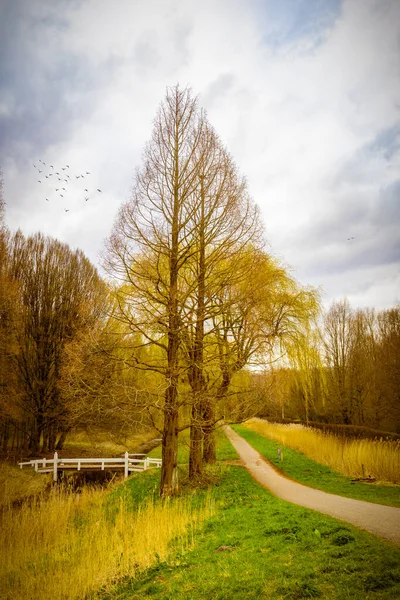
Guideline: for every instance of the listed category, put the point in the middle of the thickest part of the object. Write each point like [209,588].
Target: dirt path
[383,521]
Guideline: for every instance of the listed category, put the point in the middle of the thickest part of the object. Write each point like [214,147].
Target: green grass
[142,486]
[258,546]
[299,467]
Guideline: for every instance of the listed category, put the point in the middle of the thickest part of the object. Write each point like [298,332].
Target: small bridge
[128,464]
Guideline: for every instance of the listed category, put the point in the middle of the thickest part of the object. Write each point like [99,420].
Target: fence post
[36,465]
[55,466]
[126,466]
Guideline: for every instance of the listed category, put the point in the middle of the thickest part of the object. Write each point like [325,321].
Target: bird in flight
[350,238]
[87,173]
[86,199]
[66,209]
[39,181]
[85,190]
[98,190]
[47,200]
[51,167]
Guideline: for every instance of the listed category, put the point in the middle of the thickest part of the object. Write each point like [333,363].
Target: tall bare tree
[225,221]
[150,246]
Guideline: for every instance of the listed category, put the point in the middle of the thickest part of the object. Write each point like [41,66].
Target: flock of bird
[62,178]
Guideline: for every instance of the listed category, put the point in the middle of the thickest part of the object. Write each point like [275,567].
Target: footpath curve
[383,521]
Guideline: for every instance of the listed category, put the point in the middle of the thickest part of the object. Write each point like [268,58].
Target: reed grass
[379,459]
[69,546]
[17,484]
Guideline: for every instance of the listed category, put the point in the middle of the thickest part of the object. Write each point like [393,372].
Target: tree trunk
[209,449]
[51,440]
[197,379]
[169,474]
[6,435]
[37,431]
[61,440]
[169,479]
[196,442]
[34,443]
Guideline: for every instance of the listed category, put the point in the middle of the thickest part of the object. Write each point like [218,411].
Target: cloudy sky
[304,93]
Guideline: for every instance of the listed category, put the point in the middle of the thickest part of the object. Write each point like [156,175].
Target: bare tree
[225,221]
[151,243]
[337,340]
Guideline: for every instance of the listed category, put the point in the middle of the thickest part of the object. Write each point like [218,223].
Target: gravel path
[383,521]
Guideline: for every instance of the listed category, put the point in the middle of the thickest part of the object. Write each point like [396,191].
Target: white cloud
[300,117]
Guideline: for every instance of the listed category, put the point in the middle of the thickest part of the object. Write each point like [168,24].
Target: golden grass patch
[17,484]
[351,457]
[69,546]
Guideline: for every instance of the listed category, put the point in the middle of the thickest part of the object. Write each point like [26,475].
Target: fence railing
[129,463]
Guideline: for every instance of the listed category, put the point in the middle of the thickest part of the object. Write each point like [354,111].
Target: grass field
[225,538]
[257,546]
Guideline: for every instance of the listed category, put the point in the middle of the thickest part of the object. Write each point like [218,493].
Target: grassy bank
[17,484]
[351,457]
[300,467]
[225,538]
[97,443]
[257,546]
[67,545]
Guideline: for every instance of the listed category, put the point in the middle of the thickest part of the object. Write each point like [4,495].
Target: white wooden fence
[129,463]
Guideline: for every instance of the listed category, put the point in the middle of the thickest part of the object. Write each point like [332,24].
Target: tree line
[345,370]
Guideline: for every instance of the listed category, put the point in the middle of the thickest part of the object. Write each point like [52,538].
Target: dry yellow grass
[351,457]
[65,547]
[16,484]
